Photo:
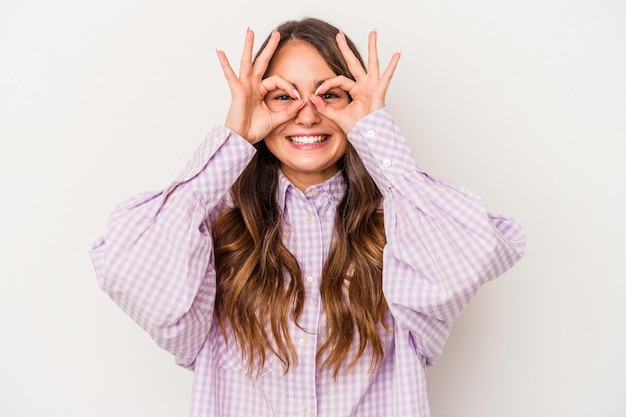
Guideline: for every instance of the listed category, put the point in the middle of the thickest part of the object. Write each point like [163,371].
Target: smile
[308,140]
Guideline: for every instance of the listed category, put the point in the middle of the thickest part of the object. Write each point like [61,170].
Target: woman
[302,264]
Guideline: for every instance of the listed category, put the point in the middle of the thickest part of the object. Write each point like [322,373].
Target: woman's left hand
[367,92]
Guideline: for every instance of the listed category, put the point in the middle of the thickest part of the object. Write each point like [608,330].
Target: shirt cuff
[381,146]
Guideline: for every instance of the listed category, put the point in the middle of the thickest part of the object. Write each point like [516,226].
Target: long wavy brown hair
[259,282]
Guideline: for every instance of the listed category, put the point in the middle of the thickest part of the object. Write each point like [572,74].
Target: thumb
[289,112]
[324,109]
[340,116]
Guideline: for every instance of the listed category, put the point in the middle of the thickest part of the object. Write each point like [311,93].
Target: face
[308,146]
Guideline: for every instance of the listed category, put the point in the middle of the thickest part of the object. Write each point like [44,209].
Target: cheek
[272,140]
[342,146]
[340,103]
[277,146]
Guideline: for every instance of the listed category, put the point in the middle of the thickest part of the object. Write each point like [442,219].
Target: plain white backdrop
[521,102]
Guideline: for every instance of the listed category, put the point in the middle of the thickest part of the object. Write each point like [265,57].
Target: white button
[304,408]
[310,280]
[387,162]
[314,193]
[371,133]
[309,217]
[302,341]
[217,142]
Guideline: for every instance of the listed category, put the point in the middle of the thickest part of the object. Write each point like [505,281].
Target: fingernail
[295,93]
[317,90]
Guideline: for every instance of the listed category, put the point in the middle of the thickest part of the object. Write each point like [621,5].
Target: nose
[308,116]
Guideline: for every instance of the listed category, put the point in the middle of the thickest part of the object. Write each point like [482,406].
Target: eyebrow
[317,83]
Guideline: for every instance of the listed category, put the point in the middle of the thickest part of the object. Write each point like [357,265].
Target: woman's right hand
[248,114]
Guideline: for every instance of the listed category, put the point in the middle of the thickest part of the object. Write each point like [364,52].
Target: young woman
[302,264]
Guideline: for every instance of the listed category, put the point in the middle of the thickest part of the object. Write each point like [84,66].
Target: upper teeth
[308,139]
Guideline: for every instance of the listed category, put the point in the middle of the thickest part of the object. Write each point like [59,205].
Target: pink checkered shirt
[156,262]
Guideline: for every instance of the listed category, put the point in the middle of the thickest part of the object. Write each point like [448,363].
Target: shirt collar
[333,188]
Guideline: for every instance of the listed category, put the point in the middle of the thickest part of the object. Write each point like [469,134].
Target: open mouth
[308,140]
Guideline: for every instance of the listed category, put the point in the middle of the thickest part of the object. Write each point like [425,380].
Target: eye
[334,95]
[282,97]
[336,98]
[278,101]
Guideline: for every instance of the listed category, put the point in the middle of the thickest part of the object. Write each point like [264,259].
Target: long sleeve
[155,259]
[442,244]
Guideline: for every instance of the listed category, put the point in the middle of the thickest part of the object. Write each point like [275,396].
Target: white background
[523,102]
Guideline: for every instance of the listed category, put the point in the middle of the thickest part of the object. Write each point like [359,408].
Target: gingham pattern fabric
[156,262]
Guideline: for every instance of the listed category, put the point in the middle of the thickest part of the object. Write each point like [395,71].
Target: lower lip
[310,146]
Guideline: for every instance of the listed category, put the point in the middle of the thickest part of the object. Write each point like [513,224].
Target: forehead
[300,60]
